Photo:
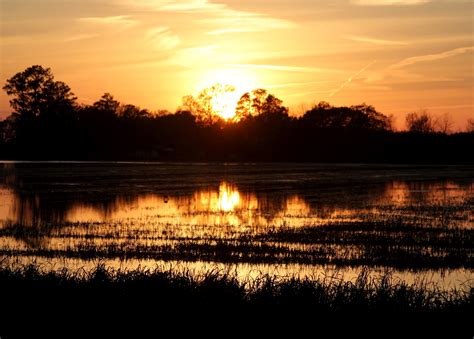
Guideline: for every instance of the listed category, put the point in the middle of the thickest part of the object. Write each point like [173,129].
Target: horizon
[399,56]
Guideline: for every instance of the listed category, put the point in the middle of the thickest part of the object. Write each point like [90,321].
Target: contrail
[344,84]
[431,57]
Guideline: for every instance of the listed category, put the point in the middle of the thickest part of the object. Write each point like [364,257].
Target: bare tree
[470,125]
[392,121]
[444,123]
[421,122]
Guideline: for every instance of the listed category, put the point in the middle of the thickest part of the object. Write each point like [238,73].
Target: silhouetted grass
[104,288]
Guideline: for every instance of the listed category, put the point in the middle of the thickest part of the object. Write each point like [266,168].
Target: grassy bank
[29,285]
[103,302]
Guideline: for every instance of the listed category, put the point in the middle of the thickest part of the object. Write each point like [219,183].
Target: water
[290,219]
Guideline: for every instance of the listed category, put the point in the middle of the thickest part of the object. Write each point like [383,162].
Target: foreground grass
[28,285]
[104,302]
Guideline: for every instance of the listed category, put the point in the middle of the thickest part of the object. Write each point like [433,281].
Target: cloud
[281,68]
[100,25]
[388,2]
[79,37]
[397,74]
[349,80]
[303,94]
[431,57]
[241,22]
[374,41]
[401,76]
[177,5]
[224,18]
[123,20]
[189,6]
[297,84]
[162,38]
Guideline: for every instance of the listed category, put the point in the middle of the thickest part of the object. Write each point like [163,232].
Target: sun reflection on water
[221,205]
[212,217]
[228,197]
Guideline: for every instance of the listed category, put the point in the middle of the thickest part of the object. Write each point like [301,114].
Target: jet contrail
[344,84]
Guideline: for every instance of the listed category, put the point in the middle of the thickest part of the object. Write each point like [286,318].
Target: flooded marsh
[294,219]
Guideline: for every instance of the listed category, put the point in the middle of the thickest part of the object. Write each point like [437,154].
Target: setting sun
[232,84]
[225,103]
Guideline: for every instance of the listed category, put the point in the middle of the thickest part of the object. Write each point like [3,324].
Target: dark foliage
[103,286]
[105,303]
[47,123]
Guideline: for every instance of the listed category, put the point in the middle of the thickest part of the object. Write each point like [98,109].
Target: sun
[231,84]
[225,103]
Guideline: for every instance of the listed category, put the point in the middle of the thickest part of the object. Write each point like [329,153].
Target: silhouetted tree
[258,102]
[359,117]
[444,124]
[107,105]
[132,112]
[7,129]
[420,123]
[203,105]
[250,104]
[470,126]
[44,113]
[36,94]
[46,123]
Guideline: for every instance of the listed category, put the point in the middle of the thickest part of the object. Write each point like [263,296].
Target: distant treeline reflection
[48,123]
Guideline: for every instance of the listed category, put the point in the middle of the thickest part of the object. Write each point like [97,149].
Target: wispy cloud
[297,84]
[241,22]
[388,2]
[100,25]
[397,74]
[431,57]
[349,80]
[222,18]
[162,38]
[374,41]
[402,76]
[281,68]
[189,6]
[303,94]
[79,37]
[124,20]
[177,5]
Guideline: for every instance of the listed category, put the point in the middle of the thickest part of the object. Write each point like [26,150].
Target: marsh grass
[30,288]
[370,243]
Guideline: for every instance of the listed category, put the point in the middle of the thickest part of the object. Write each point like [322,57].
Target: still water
[244,217]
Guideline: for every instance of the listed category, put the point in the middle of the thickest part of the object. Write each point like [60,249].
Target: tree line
[48,123]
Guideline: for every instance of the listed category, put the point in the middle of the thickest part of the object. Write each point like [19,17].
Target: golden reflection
[152,223]
[222,211]
[402,193]
[224,205]
[229,197]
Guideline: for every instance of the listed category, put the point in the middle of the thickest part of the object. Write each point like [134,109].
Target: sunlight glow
[224,104]
[241,81]
[229,197]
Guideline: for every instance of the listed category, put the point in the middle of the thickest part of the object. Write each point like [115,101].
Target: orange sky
[398,55]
